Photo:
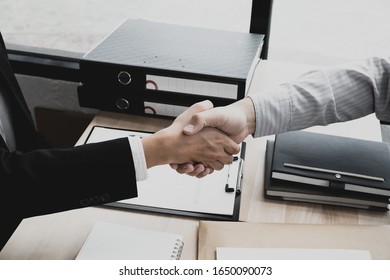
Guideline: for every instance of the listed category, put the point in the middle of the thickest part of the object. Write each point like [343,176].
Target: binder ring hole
[124,78]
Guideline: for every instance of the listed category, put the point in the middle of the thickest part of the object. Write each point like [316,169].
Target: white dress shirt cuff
[273,111]
[137,150]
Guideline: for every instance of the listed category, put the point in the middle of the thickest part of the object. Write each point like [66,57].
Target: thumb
[209,118]
[192,129]
[185,117]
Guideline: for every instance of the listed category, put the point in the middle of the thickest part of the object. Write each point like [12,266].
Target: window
[79,25]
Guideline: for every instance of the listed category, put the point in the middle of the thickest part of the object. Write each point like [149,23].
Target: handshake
[202,139]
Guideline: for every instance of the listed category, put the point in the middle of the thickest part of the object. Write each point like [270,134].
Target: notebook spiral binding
[177,250]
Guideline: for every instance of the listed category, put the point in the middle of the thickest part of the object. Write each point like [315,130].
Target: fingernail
[189,127]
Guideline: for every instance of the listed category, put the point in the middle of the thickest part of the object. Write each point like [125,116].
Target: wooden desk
[61,235]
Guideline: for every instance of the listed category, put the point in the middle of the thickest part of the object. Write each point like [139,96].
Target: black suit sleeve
[46,181]
[35,180]
[51,180]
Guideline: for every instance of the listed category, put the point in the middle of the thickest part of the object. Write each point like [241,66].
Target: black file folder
[153,68]
[327,169]
[168,192]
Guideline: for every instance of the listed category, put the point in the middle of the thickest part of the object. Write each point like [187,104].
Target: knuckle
[196,118]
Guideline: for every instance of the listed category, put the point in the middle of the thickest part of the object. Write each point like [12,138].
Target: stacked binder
[327,169]
[154,68]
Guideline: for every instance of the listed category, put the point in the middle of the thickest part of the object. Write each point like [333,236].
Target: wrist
[156,149]
[251,115]
[247,107]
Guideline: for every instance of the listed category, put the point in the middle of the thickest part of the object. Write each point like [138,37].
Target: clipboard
[178,194]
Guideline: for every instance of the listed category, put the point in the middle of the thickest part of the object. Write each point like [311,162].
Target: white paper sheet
[232,253]
[165,188]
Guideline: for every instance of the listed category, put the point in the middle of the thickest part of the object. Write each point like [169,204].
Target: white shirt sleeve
[324,96]
[137,150]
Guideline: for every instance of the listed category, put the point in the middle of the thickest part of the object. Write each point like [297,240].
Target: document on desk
[252,240]
[167,191]
[233,253]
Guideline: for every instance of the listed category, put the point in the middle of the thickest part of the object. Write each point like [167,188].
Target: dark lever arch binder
[152,68]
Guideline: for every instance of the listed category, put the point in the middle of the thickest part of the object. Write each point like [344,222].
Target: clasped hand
[201,121]
[207,150]
[203,138]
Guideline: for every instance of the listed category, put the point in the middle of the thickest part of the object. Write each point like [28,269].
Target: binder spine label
[160,109]
[190,86]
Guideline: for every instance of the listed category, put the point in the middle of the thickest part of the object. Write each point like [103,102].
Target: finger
[195,108]
[198,169]
[225,159]
[201,106]
[216,165]
[185,168]
[206,172]
[174,166]
[210,118]
[232,147]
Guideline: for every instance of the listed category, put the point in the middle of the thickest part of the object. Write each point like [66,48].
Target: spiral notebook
[108,241]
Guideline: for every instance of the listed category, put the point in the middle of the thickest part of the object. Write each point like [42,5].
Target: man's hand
[210,148]
[237,120]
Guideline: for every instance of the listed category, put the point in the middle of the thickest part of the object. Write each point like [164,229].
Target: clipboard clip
[239,177]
